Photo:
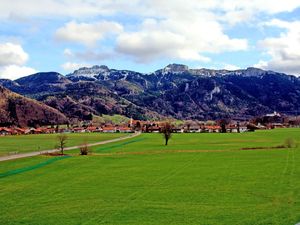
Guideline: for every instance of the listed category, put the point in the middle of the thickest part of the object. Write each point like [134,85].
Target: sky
[146,35]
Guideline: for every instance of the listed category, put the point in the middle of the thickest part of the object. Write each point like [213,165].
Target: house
[91,129]
[5,131]
[50,130]
[211,129]
[233,128]
[19,131]
[34,131]
[94,129]
[124,129]
[178,130]
[274,117]
[109,129]
[63,130]
[99,129]
[78,130]
[194,129]
[252,127]
[243,129]
[154,129]
[277,125]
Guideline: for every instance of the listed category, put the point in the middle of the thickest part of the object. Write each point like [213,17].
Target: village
[268,121]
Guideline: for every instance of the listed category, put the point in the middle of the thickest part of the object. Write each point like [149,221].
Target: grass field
[31,143]
[197,179]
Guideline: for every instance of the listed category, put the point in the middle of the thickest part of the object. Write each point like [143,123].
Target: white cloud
[261,64]
[12,54]
[13,72]
[178,37]
[50,8]
[87,33]
[237,16]
[68,53]
[12,61]
[178,29]
[88,55]
[71,66]
[283,50]
[245,10]
[227,11]
[83,8]
[230,67]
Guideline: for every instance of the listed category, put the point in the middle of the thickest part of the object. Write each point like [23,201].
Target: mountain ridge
[174,91]
[16,110]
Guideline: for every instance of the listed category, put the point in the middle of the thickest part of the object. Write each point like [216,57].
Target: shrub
[84,149]
[289,143]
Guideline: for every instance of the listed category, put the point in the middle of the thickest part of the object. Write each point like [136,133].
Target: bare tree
[167,130]
[138,126]
[223,123]
[84,149]
[62,141]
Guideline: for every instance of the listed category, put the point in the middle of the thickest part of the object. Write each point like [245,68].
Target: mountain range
[174,91]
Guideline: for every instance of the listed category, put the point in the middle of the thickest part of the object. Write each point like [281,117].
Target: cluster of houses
[132,126]
[275,120]
[269,121]
[51,130]
[189,127]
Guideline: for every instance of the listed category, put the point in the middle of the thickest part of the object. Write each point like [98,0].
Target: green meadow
[247,179]
[34,142]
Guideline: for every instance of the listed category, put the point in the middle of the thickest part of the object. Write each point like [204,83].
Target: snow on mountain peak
[90,72]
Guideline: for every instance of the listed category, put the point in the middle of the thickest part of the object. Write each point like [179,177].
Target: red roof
[108,128]
[212,127]
[124,128]
[78,128]
[22,130]
[5,129]
[91,128]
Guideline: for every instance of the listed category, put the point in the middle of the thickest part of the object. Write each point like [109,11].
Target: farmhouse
[212,129]
[93,129]
[124,129]
[178,130]
[5,131]
[78,130]
[19,131]
[109,129]
[154,129]
[194,129]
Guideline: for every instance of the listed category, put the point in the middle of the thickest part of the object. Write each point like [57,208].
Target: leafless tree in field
[167,130]
[62,141]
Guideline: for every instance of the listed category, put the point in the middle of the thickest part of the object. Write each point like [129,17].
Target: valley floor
[196,179]
[16,144]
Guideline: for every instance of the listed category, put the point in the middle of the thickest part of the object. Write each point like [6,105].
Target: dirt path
[30,154]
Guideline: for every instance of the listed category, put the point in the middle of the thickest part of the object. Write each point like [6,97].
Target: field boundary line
[155,152]
[33,167]
[30,154]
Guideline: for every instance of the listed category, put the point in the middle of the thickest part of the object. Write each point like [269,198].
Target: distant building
[109,129]
[124,129]
[5,131]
